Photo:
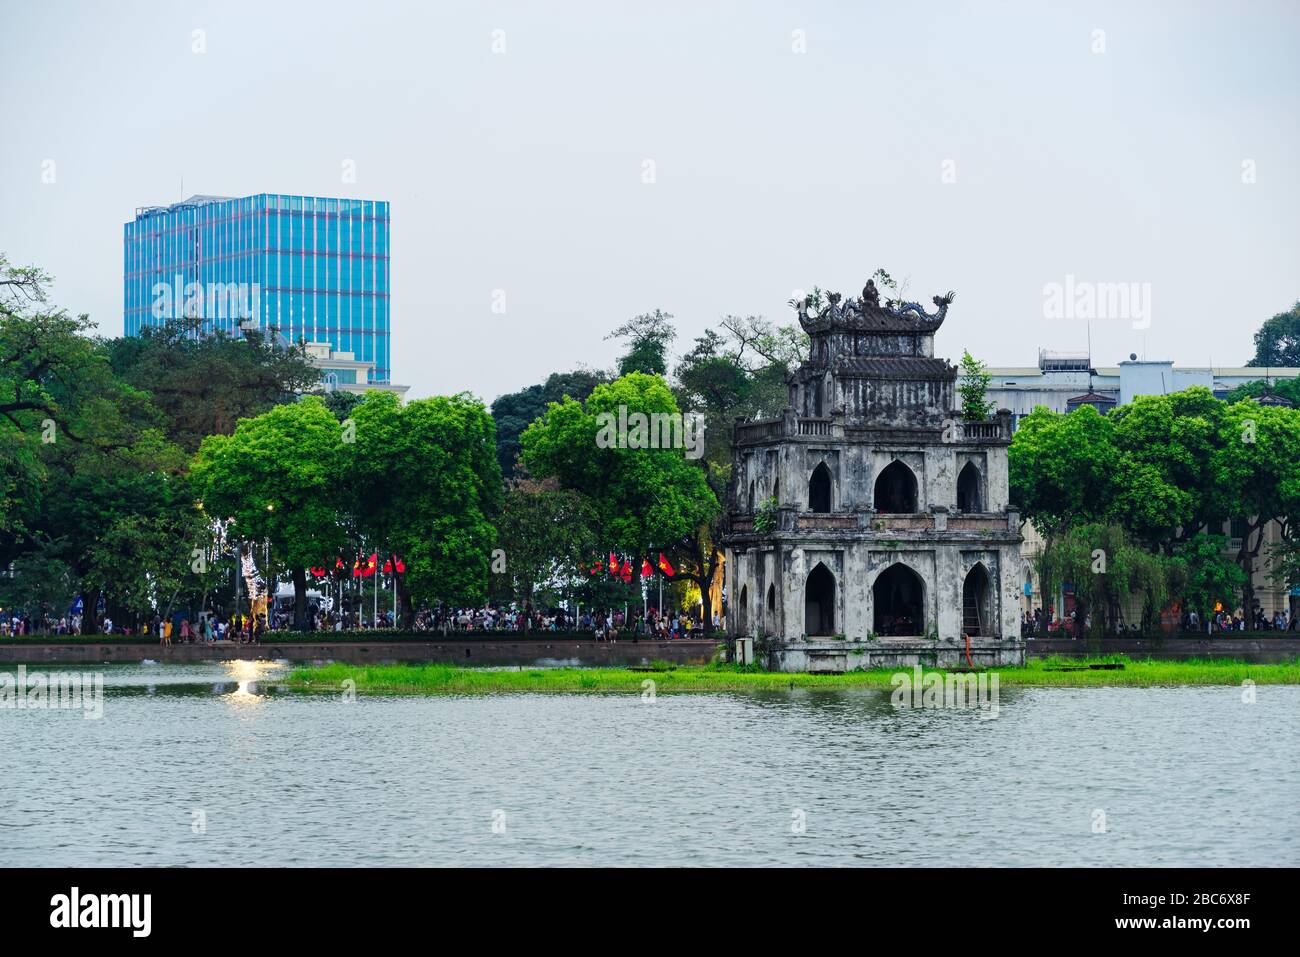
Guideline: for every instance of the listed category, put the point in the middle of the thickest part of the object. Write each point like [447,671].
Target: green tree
[1167,481]
[204,384]
[1204,575]
[648,337]
[1255,470]
[739,373]
[424,485]
[278,477]
[1288,389]
[516,411]
[549,539]
[1062,467]
[1277,343]
[646,499]
[1107,569]
[974,388]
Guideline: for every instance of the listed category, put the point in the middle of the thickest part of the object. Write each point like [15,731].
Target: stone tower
[869,523]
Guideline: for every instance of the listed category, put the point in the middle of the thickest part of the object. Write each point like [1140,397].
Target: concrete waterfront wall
[834,656]
[1248,649]
[470,653]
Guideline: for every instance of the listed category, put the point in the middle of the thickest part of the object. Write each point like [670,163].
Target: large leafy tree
[645,499]
[1277,343]
[92,486]
[1167,481]
[278,477]
[516,411]
[1255,466]
[1062,467]
[203,385]
[424,484]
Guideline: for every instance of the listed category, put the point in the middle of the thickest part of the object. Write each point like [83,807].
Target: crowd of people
[1044,625]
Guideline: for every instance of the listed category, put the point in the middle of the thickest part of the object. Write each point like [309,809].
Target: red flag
[401,567]
[388,567]
[317,572]
[338,563]
[626,574]
[613,564]
[646,570]
[664,566]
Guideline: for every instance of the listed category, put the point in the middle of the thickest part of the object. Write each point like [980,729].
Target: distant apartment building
[1063,381]
[306,268]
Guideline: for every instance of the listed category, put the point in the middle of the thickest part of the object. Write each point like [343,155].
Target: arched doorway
[896,489]
[819,602]
[898,602]
[742,613]
[976,603]
[819,489]
[970,489]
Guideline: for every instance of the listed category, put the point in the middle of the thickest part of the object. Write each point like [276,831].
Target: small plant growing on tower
[765,520]
[974,387]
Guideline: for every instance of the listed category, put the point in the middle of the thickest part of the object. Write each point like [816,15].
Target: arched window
[751,495]
[819,602]
[776,490]
[898,602]
[819,489]
[771,599]
[896,489]
[742,613]
[976,603]
[970,489]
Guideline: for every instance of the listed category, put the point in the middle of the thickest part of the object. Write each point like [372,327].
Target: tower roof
[868,314]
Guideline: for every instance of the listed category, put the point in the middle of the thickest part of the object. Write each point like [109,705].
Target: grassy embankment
[1039,673]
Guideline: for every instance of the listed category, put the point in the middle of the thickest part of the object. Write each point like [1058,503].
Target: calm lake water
[1183,776]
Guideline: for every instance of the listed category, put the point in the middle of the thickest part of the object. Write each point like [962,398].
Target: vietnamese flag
[664,566]
[646,569]
[388,567]
[401,567]
[627,571]
[338,563]
[613,564]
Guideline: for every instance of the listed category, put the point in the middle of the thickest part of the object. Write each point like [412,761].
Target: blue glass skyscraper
[309,267]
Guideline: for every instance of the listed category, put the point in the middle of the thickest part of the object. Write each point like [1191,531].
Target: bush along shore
[1111,671]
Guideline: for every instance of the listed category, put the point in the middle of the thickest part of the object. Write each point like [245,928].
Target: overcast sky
[1115,157]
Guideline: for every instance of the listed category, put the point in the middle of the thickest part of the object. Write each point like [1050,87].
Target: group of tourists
[242,629]
[1040,625]
[1222,621]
